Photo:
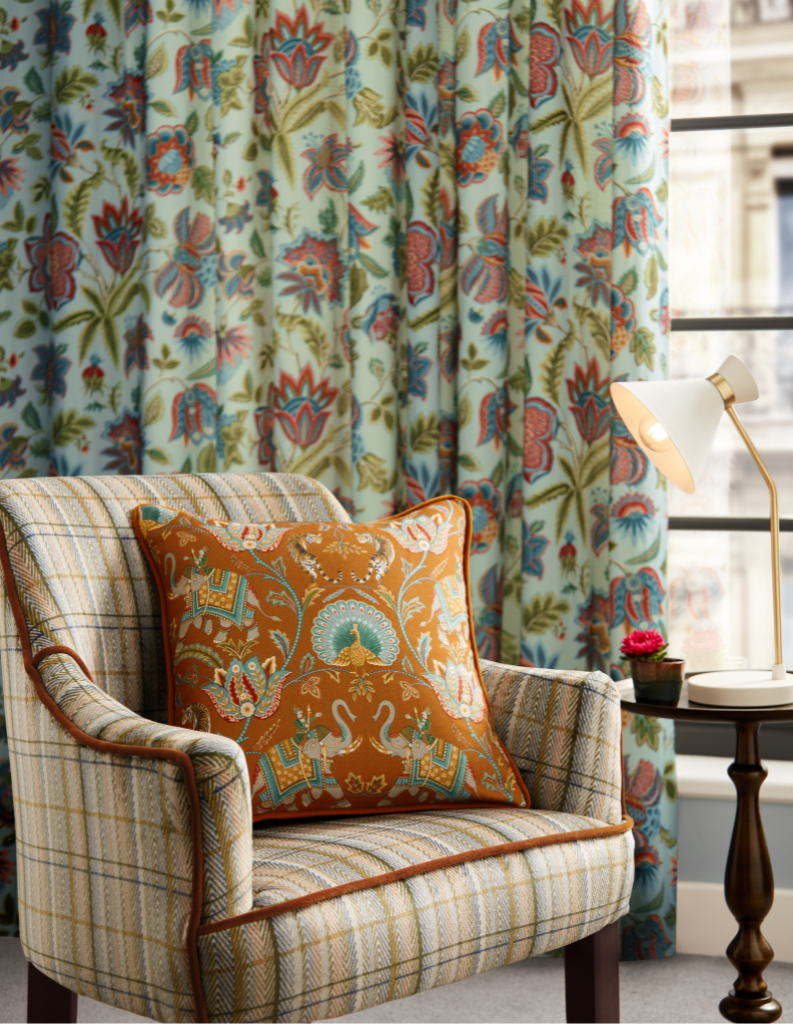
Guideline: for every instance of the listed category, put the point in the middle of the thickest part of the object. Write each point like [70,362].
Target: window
[731,290]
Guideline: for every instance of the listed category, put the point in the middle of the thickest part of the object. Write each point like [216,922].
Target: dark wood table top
[686,711]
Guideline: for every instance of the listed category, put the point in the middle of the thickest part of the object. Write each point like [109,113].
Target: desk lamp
[674,423]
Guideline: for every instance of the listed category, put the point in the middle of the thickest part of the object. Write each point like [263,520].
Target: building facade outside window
[731,255]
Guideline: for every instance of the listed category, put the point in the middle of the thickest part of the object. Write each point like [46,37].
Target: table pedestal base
[749,888]
[755,1011]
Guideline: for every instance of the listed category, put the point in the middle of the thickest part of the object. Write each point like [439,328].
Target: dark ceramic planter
[658,682]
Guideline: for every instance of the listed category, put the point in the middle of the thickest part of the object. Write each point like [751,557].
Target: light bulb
[653,435]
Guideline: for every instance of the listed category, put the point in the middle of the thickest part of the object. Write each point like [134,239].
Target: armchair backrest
[83,581]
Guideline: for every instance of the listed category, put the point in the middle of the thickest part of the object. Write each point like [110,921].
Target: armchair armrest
[564,732]
[217,765]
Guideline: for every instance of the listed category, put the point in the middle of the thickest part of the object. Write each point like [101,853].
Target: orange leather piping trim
[179,757]
[414,869]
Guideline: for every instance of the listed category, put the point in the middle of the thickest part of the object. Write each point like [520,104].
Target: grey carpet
[682,988]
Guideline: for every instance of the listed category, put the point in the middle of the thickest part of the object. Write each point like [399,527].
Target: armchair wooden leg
[592,978]
[49,1002]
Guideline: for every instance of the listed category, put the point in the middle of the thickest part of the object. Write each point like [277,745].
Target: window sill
[701,777]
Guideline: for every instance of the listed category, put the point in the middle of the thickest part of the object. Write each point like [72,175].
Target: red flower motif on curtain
[170,156]
[590,36]
[589,399]
[53,261]
[296,47]
[302,407]
[540,421]
[422,249]
[118,233]
[480,142]
[633,33]
[545,52]
[317,271]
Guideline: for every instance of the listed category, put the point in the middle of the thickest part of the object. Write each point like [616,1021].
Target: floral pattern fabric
[373,618]
[403,248]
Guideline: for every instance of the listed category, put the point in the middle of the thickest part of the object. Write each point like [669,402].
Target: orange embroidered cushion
[339,656]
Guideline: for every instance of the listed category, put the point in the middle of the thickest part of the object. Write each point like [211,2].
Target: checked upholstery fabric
[142,881]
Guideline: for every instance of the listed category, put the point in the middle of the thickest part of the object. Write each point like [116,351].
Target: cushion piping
[557,838]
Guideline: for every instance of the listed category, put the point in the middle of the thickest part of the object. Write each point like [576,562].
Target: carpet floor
[682,988]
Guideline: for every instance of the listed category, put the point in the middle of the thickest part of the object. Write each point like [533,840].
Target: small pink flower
[643,645]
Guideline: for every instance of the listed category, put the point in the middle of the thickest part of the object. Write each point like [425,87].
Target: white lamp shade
[688,410]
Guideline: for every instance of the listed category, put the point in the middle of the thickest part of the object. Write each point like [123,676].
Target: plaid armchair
[141,880]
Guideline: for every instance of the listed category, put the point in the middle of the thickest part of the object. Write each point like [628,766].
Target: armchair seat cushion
[350,914]
[301,861]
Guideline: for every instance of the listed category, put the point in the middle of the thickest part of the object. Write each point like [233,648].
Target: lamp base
[744,689]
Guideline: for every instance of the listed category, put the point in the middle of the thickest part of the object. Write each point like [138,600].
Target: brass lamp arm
[775,565]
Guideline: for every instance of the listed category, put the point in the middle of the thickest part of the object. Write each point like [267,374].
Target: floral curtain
[402,246]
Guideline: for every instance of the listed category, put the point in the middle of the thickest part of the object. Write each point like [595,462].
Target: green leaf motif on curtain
[245,39]
[163,107]
[668,839]
[328,219]
[642,347]
[430,197]
[521,380]
[17,222]
[157,62]
[356,179]
[646,731]
[75,207]
[545,237]
[33,81]
[646,556]
[660,104]
[30,417]
[670,780]
[422,63]
[72,83]
[379,201]
[651,277]
[424,434]
[552,372]
[158,455]
[169,14]
[597,325]
[359,284]
[628,282]
[154,411]
[69,426]
[25,329]
[207,459]
[283,150]
[543,612]
[374,474]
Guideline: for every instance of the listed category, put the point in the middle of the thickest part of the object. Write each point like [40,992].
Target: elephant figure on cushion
[213,593]
[432,765]
[301,764]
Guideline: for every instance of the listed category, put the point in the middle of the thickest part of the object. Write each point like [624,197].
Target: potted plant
[656,678]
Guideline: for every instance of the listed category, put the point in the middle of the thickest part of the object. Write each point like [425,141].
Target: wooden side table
[748,879]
